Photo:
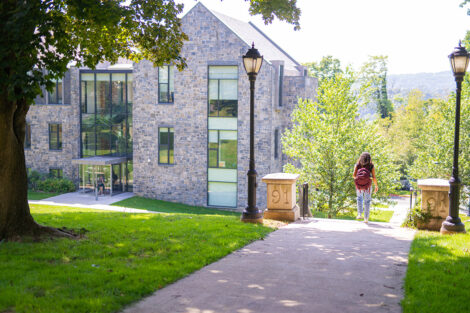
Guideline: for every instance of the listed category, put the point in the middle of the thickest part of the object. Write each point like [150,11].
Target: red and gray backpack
[363,181]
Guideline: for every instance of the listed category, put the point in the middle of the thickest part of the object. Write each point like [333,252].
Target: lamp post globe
[252,62]
[459,60]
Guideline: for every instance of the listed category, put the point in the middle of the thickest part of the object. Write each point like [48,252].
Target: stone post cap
[282,178]
[433,184]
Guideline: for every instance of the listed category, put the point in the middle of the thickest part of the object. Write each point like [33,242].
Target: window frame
[218,89]
[167,145]
[171,95]
[48,101]
[83,104]
[59,137]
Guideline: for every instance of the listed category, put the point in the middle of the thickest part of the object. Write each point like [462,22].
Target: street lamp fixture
[459,62]
[252,62]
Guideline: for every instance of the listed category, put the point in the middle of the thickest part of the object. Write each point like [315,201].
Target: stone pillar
[434,200]
[281,197]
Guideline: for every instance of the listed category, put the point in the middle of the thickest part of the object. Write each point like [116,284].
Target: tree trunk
[16,221]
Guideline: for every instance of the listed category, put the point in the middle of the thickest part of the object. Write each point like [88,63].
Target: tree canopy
[326,141]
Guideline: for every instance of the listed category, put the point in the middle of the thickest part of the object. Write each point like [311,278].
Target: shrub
[39,182]
[34,178]
[56,185]
[416,215]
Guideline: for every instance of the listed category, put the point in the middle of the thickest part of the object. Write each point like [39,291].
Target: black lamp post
[252,62]
[459,61]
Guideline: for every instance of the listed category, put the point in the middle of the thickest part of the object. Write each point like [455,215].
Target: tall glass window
[222,136]
[27,136]
[106,117]
[55,97]
[223,91]
[166,139]
[166,77]
[55,136]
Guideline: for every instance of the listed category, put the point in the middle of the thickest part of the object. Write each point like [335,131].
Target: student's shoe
[358,217]
[366,221]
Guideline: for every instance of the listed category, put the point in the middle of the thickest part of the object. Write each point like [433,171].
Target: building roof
[249,33]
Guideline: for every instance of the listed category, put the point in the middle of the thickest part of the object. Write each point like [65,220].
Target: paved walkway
[87,200]
[317,265]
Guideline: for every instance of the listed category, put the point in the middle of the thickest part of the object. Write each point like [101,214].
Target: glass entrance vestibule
[103,175]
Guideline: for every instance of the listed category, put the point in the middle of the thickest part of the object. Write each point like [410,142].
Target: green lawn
[375,215]
[169,207]
[123,258]
[39,195]
[438,274]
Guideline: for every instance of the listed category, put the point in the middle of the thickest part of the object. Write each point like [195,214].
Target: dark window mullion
[168,96]
[168,149]
[110,94]
[218,102]
[57,136]
[96,109]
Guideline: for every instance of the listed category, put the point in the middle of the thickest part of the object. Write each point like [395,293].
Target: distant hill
[433,85]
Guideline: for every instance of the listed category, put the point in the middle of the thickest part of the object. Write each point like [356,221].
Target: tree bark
[16,221]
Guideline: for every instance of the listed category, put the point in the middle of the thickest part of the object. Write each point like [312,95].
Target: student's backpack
[363,181]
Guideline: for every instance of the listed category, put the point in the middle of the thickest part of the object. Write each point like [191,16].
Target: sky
[416,35]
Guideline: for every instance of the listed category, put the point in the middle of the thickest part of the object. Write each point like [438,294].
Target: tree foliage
[374,75]
[404,129]
[327,68]
[326,140]
[435,145]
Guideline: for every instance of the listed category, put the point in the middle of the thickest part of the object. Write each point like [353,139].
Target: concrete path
[401,208]
[87,200]
[317,265]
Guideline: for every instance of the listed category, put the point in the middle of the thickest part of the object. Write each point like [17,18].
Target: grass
[170,207]
[438,274]
[375,215]
[123,258]
[39,195]
[401,192]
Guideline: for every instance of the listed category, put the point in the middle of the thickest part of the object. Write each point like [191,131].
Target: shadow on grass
[170,207]
[123,258]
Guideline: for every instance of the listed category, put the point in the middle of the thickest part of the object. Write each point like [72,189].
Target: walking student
[364,173]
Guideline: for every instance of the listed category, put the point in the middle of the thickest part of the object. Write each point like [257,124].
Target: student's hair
[364,160]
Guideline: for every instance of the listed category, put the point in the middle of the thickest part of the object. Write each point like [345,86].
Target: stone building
[170,135]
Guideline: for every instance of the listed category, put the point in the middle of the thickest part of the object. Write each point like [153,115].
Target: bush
[39,182]
[416,215]
[56,185]
[34,178]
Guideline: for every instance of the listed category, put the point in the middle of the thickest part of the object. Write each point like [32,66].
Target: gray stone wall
[39,157]
[210,43]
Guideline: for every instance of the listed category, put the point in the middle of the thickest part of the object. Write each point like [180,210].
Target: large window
[223,91]
[166,145]
[106,113]
[55,136]
[166,77]
[222,136]
[55,97]
[27,136]
[222,149]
